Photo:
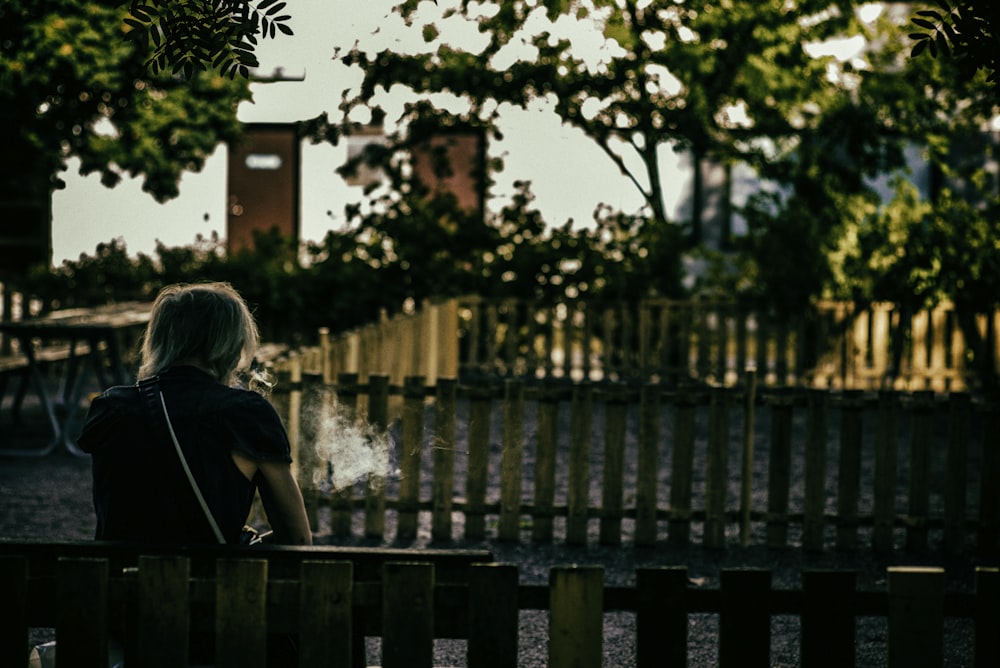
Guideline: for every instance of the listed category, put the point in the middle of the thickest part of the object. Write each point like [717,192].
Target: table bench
[328,598]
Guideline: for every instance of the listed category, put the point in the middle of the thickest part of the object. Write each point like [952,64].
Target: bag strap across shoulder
[156,406]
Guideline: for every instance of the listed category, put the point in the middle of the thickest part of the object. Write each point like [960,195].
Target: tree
[964,29]
[72,86]
[710,79]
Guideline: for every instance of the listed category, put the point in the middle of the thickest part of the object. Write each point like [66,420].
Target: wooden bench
[328,598]
[16,366]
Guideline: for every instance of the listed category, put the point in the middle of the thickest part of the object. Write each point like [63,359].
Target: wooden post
[884,508]
[82,616]
[411,451]
[989,480]
[956,472]
[444,459]
[648,465]
[407,615]
[480,398]
[378,416]
[779,477]
[916,617]
[661,624]
[310,463]
[616,407]
[849,473]
[814,523]
[746,481]
[240,613]
[163,611]
[341,508]
[987,617]
[920,470]
[717,474]
[682,469]
[745,618]
[828,618]
[14,611]
[545,462]
[493,616]
[578,485]
[294,423]
[576,616]
[326,593]
[509,526]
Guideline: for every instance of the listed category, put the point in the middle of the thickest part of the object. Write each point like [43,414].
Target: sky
[570,176]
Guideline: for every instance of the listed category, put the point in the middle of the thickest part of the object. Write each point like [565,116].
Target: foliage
[202,34]
[71,85]
[965,29]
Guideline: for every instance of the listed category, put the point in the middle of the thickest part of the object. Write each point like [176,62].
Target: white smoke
[354,450]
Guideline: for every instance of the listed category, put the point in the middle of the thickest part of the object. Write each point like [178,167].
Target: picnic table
[94,340]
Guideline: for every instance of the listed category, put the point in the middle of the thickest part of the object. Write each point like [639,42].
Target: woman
[199,344]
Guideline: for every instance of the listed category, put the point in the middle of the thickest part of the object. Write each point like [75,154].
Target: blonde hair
[206,323]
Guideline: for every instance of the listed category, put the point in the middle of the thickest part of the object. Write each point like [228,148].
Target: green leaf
[923,24]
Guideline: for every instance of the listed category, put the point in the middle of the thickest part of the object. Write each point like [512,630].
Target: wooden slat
[956,472]
[493,616]
[443,449]
[612,491]
[661,617]
[477,476]
[408,615]
[325,616]
[411,452]
[378,416]
[814,522]
[922,419]
[576,617]
[509,526]
[648,466]
[849,469]
[241,613]
[746,480]
[545,464]
[578,483]
[13,610]
[717,469]
[828,618]
[347,409]
[744,618]
[682,469]
[779,478]
[916,617]
[886,444]
[163,611]
[82,613]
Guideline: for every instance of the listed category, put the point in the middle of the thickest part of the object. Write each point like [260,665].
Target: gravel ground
[49,498]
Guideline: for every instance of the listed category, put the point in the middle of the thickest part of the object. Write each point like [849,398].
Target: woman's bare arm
[286,512]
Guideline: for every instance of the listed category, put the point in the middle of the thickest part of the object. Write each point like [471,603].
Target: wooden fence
[834,345]
[808,467]
[240,602]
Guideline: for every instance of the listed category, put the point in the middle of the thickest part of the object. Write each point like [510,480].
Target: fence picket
[916,617]
[545,463]
[241,613]
[746,483]
[989,490]
[884,502]
[326,594]
[411,451]
[744,618]
[378,416]
[509,526]
[956,471]
[828,618]
[920,464]
[82,618]
[162,611]
[779,477]
[444,459]
[493,616]
[616,406]
[576,616]
[683,467]
[814,520]
[987,617]
[849,469]
[407,615]
[346,408]
[661,617]
[717,468]
[578,484]
[477,476]
[647,466]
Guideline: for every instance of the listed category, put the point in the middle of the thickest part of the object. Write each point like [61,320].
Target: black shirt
[140,490]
